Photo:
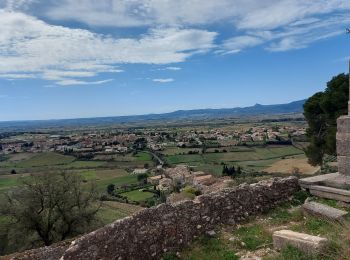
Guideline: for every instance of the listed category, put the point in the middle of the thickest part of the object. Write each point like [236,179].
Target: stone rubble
[170,227]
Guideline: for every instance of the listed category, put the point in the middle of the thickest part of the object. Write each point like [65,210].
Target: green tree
[321,112]
[111,189]
[142,178]
[52,207]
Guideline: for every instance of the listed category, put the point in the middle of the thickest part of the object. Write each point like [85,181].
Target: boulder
[324,211]
[310,245]
[330,193]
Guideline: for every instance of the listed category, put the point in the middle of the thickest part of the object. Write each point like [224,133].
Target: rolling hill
[295,107]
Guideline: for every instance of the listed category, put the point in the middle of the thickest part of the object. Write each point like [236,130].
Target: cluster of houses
[224,137]
[182,175]
[114,141]
[79,143]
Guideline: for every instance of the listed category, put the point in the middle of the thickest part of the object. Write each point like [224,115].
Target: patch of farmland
[137,195]
[10,181]
[115,157]
[178,150]
[16,157]
[143,157]
[85,164]
[46,159]
[252,154]
[112,210]
[7,182]
[291,165]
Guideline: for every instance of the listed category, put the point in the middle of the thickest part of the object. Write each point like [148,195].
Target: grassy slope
[255,237]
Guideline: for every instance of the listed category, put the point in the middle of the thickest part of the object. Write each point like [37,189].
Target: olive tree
[52,206]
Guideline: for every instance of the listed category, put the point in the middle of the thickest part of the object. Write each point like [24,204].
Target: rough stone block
[308,244]
[330,193]
[344,165]
[343,144]
[324,211]
[340,182]
[343,124]
[306,183]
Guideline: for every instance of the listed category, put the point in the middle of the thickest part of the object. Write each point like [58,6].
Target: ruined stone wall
[343,145]
[168,228]
[151,232]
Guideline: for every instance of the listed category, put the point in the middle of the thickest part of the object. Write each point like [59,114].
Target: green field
[111,211]
[137,195]
[103,172]
[237,156]
[7,182]
[103,177]
[178,150]
[143,157]
[254,159]
[40,159]
[85,164]
[139,157]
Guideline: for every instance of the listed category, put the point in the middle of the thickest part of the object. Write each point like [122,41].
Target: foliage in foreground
[321,112]
[49,208]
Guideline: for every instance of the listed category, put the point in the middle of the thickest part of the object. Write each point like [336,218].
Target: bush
[111,189]
[191,190]
[299,197]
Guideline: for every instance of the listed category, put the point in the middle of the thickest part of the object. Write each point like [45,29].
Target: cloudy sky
[82,58]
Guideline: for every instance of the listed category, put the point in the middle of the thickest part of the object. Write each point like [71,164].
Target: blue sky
[85,58]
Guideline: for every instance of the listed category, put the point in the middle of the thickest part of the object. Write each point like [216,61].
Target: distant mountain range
[197,114]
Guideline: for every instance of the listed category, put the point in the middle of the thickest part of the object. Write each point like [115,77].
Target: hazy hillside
[197,114]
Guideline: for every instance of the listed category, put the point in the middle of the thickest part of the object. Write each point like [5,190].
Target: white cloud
[246,17]
[70,82]
[171,68]
[31,47]
[236,44]
[13,5]
[298,35]
[273,14]
[304,34]
[126,13]
[17,76]
[168,80]
[244,14]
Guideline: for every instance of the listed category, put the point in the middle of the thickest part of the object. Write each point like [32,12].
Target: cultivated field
[293,165]
[250,158]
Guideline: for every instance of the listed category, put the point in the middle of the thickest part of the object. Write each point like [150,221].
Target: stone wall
[343,145]
[168,228]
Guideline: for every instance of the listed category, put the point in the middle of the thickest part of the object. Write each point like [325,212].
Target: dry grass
[339,242]
[292,165]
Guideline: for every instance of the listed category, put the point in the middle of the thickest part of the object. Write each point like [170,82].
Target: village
[124,141]
[159,164]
